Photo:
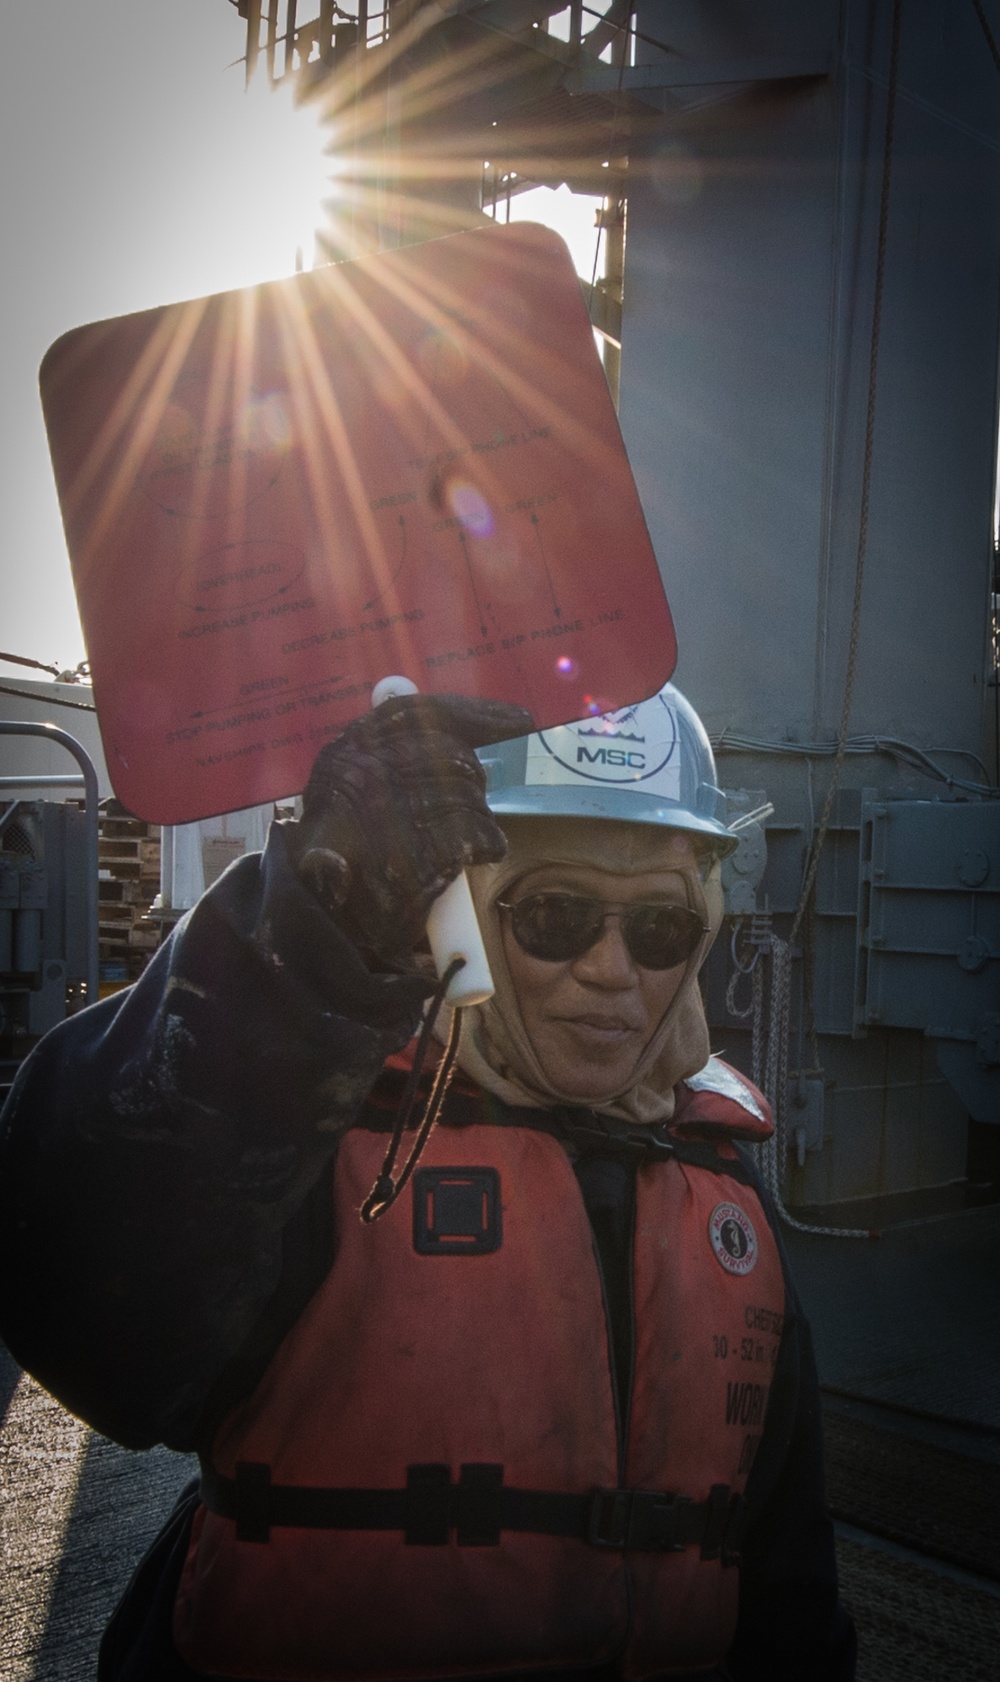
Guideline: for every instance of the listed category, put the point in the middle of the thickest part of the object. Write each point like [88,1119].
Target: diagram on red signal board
[275,497]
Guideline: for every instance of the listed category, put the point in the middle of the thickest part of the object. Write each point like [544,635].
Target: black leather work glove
[394,809]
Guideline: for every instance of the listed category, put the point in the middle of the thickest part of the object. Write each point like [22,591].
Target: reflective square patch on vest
[456,1211]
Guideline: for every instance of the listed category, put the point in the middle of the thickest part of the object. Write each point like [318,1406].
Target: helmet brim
[614,805]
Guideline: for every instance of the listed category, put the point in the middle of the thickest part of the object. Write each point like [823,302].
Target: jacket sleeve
[791,1623]
[155,1145]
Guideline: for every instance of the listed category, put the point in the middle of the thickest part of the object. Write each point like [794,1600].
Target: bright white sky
[134,171]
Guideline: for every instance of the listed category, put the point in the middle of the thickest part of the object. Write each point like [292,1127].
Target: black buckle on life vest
[717,1519]
[478,1508]
[640,1518]
[733,1535]
[456,1211]
[253,1500]
[433,1504]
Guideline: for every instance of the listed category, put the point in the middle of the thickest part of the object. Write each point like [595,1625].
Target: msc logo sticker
[612,759]
[635,745]
[733,1239]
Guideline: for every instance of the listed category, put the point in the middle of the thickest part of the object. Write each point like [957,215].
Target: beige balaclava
[494,1047]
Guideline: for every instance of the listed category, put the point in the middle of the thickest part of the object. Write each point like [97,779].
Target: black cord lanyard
[386,1190]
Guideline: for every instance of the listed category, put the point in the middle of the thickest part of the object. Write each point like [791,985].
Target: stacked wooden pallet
[128,882]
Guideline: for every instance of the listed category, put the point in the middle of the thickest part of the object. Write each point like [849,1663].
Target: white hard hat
[650,763]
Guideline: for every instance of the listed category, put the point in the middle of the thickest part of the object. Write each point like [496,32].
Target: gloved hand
[394,809]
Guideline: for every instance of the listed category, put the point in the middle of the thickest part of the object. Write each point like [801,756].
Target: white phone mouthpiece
[452,926]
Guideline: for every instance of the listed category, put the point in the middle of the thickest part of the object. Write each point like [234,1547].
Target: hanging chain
[771,981]
[758,1026]
[743,967]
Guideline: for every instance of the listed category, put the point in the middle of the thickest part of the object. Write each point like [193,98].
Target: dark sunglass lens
[555,926]
[558,927]
[662,936]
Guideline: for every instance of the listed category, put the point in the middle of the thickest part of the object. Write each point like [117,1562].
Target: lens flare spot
[597,706]
[470,508]
[265,423]
[566,667]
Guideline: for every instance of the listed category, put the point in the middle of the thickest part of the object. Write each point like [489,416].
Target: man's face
[589,1019]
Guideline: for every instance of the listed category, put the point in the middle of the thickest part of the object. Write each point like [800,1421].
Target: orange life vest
[430,1479]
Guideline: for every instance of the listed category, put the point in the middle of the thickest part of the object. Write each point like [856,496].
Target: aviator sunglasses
[557,927]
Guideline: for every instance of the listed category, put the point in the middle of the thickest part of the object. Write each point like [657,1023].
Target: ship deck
[907,1333]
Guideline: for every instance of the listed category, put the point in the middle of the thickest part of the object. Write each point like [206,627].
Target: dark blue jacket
[163,1220]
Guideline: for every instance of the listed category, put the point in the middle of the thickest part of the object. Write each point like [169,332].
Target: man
[549,1404]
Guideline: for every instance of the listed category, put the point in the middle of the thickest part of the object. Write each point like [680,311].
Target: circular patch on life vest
[733,1238]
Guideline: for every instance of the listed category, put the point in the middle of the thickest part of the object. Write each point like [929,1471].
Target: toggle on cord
[273,498]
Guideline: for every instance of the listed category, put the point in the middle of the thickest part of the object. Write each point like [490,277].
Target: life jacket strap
[478,1508]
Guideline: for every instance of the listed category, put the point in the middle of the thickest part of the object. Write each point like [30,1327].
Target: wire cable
[866,475]
[990,42]
[50,700]
[918,759]
[612,140]
[35,665]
